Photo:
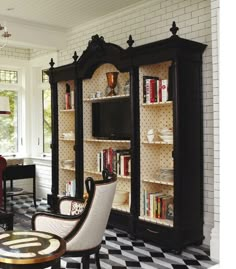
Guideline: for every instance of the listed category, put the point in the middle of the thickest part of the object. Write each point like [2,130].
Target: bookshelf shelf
[168,183]
[124,208]
[164,222]
[105,98]
[158,104]
[157,143]
[106,141]
[67,139]
[67,110]
[68,169]
[88,171]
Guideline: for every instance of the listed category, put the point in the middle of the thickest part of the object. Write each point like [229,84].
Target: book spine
[148,91]
[163,90]
[159,207]
[144,202]
[118,163]
[126,165]
[99,162]
[152,90]
[144,90]
[157,90]
[114,161]
[110,160]
[102,158]
[148,204]
[129,167]
[122,165]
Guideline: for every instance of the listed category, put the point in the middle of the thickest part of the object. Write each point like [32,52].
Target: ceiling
[60,14]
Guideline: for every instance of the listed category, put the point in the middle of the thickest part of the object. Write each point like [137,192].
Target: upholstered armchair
[81,223]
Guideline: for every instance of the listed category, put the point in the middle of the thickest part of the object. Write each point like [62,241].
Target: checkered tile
[117,251]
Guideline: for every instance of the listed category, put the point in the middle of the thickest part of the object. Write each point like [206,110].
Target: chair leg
[97,260]
[85,262]
[57,264]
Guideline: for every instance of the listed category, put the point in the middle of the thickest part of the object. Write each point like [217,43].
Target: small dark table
[30,249]
[6,220]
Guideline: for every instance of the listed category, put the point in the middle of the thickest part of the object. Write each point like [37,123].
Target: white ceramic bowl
[166,131]
[67,164]
[121,197]
[167,138]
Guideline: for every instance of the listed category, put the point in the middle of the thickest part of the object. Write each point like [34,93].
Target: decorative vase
[112,82]
[150,136]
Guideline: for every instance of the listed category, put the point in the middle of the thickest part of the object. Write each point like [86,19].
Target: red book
[104,158]
[110,160]
[152,90]
[165,202]
[126,165]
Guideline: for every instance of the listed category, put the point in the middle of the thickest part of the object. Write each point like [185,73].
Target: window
[47,130]
[9,76]
[9,125]
[10,130]
[45,77]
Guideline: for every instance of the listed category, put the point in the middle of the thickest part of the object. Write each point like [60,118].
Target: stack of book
[115,160]
[158,205]
[155,90]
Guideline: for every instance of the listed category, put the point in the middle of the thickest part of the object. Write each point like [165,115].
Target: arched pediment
[97,53]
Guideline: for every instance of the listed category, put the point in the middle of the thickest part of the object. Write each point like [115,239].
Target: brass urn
[112,82]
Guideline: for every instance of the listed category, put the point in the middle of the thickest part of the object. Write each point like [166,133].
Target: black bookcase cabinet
[185,88]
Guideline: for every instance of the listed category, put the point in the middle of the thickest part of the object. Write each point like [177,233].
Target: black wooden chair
[83,231]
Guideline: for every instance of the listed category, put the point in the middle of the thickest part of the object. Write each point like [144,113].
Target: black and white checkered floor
[118,251]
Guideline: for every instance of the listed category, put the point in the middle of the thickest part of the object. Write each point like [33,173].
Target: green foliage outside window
[8,123]
[47,130]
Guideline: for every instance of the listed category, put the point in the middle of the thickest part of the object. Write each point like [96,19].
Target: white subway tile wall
[15,53]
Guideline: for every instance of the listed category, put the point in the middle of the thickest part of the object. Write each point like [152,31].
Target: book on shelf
[163,90]
[115,160]
[157,205]
[166,201]
[150,89]
[70,188]
[155,90]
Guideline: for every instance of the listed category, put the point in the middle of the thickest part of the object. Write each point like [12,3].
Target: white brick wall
[15,53]
[214,243]
[34,53]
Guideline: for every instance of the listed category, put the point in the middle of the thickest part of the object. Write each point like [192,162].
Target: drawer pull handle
[152,231]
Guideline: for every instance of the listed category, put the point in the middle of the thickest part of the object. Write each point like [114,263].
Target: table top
[30,247]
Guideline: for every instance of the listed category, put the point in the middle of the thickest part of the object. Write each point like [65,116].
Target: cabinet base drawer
[120,220]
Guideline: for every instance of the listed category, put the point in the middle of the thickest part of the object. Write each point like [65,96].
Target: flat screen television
[111,119]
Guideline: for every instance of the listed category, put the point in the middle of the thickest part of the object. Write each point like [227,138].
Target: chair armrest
[65,205]
[53,223]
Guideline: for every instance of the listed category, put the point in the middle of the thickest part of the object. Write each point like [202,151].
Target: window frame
[17,87]
[44,86]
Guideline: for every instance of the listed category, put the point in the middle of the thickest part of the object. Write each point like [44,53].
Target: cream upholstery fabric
[54,225]
[91,232]
[65,206]
[86,230]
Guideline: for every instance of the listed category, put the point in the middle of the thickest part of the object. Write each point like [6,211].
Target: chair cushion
[77,207]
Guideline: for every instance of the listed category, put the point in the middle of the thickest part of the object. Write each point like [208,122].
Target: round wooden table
[30,249]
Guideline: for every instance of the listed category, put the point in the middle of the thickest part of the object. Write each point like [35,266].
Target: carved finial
[51,63]
[96,40]
[75,57]
[130,41]
[174,29]
[96,44]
